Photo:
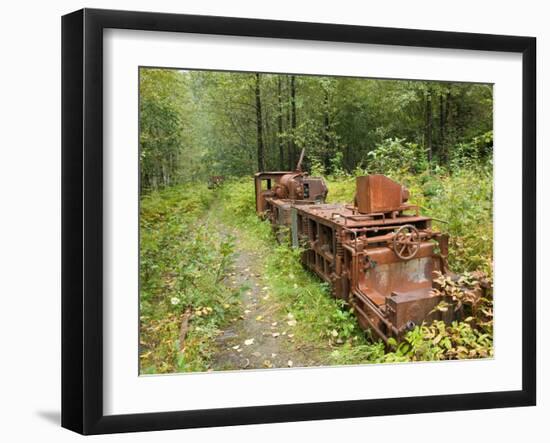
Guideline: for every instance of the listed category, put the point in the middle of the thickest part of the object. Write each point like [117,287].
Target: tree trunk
[260,139]
[442,122]
[293,118]
[268,139]
[280,125]
[288,127]
[448,125]
[326,131]
[428,126]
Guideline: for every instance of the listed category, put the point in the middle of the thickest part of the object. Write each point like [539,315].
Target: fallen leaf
[247,311]
[290,335]
[259,317]
[291,323]
[275,334]
[249,341]
[290,364]
[273,355]
[268,364]
[256,354]
[334,333]
[236,347]
[274,323]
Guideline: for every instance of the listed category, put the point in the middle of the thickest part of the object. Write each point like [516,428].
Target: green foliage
[182,260]
[341,189]
[471,295]
[473,153]
[199,123]
[166,157]
[395,156]
[437,341]
[463,199]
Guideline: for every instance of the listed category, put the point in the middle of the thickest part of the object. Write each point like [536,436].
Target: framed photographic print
[269,221]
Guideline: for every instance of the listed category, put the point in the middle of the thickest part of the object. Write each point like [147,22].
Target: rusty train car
[379,253]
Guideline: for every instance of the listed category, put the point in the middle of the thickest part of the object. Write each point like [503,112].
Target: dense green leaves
[168,152]
[198,123]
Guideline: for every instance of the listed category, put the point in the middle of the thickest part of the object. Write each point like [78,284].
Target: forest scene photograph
[291,221]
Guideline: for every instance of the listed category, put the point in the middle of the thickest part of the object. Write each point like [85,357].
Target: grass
[182,260]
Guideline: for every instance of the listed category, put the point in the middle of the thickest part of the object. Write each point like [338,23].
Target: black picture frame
[82,218]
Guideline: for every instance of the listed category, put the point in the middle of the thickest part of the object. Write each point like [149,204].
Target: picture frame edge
[82,235]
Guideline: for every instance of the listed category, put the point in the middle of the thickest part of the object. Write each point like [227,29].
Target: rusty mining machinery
[279,191]
[378,254]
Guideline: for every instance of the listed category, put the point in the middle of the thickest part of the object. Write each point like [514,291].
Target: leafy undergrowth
[182,262]
[472,296]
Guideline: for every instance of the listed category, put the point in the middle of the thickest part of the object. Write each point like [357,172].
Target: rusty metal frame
[82,234]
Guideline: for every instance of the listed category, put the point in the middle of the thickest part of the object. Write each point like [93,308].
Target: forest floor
[261,337]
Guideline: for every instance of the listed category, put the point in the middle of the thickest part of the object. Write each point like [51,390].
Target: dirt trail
[261,337]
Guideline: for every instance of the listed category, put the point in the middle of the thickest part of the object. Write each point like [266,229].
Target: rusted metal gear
[406,242]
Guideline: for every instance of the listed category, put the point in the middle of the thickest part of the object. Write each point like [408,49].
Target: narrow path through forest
[262,336]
